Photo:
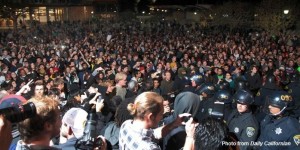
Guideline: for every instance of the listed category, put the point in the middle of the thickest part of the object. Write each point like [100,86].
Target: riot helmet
[280,99]
[271,82]
[207,88]
[270,79]
[223,96]
[241,85]
[223,85]
[198,79]
[243,97]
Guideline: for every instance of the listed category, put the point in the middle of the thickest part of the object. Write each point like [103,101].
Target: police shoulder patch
[250,131]
[297,139]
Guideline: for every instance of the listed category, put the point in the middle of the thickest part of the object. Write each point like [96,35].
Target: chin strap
[279,112]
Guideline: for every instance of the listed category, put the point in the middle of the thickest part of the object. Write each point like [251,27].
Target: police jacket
[245,127]
[294,89]
[282,133]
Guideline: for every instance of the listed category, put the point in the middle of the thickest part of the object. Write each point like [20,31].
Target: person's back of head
[147,102]
[58,83]
[122,113]
[75,119]
[209,134]
[54,93]
[114,103]
[132,86]
[147,85]
[45,125]
[120,76]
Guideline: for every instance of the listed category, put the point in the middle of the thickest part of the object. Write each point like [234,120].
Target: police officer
[206,92]
[196,81]
[268,88]
[222,104]
[293,88]
[241,85]
[241,121]
[278,127]
[223,85]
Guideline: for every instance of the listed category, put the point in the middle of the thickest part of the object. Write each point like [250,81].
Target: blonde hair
[47,110]
[120,76]
[146,102]
[107,83]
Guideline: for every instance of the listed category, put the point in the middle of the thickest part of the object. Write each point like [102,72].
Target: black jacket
[254,81]
[245,127]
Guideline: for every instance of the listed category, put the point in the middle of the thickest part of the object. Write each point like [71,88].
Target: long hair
[146,102]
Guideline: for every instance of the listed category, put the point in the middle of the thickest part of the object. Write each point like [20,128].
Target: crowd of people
[151,85]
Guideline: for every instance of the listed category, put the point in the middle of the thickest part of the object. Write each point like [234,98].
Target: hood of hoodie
[180,74]
[186,102]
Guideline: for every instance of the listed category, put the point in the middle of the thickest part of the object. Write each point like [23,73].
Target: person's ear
[70,131]
[149,117]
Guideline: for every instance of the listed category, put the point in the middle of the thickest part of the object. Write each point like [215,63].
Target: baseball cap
[11,101]
[76,119]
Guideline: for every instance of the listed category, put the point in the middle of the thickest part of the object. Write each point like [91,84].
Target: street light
[286,11]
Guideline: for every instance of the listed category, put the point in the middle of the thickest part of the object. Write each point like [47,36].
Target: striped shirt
[133,137]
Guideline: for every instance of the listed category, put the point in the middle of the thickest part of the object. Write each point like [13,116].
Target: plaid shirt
[133,137]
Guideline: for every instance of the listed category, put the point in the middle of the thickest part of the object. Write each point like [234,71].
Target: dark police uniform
[294,90]
[268,88]
[260,101]
[222,105]
[285,130]
[245,127]
[198,79]
[205,109]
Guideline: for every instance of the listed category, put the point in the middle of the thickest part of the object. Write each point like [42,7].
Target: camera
[89,139]
[19,112]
